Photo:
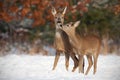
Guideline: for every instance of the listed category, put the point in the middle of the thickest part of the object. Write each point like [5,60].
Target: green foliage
[100,20]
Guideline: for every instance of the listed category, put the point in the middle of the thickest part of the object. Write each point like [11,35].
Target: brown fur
[61,42]
[88,45]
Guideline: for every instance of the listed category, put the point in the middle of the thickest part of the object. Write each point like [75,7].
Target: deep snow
[27,67]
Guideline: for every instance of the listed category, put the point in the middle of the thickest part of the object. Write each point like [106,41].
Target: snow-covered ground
[27,67]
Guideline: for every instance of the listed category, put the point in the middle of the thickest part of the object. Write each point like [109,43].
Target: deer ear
[53,11]
[64,10]
[76,23]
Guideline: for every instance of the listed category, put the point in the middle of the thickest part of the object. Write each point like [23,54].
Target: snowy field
[27,67]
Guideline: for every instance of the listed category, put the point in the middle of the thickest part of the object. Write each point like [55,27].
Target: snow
[27,67]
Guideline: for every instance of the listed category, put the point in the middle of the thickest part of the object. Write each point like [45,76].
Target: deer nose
[59,19]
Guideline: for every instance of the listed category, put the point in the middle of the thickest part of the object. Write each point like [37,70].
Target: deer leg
[57,56]
[74,58]
[81,64]
[90,63]
[95,63]
[67,55]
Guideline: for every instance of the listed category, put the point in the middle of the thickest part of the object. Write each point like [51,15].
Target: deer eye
[72,24]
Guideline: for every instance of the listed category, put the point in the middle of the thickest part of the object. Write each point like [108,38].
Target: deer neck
[59,25]
[74,39]
[58,31]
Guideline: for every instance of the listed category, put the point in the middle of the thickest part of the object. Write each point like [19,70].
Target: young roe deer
[61,42]
[88,45]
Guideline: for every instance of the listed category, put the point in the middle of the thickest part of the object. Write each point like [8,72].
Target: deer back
[90,43]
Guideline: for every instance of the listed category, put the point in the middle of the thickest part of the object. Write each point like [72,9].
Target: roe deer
[88,45]
[61,42]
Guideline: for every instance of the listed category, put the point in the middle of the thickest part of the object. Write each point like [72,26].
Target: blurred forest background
[28,25]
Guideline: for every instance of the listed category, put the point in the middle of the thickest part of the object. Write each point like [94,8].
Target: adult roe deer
[88,45]
[61,42]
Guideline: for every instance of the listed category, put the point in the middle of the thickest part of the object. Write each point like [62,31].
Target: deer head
[70,27]
[58,17]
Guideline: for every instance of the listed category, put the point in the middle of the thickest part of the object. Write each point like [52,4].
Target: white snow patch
[26,67]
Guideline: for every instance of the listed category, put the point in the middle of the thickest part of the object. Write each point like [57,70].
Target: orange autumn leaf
[25,11]
[50,17]
[14,9]
[40,7]
[36,23]
[1,4]
[46,2]
[116,9]
[26,3]
[5,16]
[10,0]
[35,1]
[37,14]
